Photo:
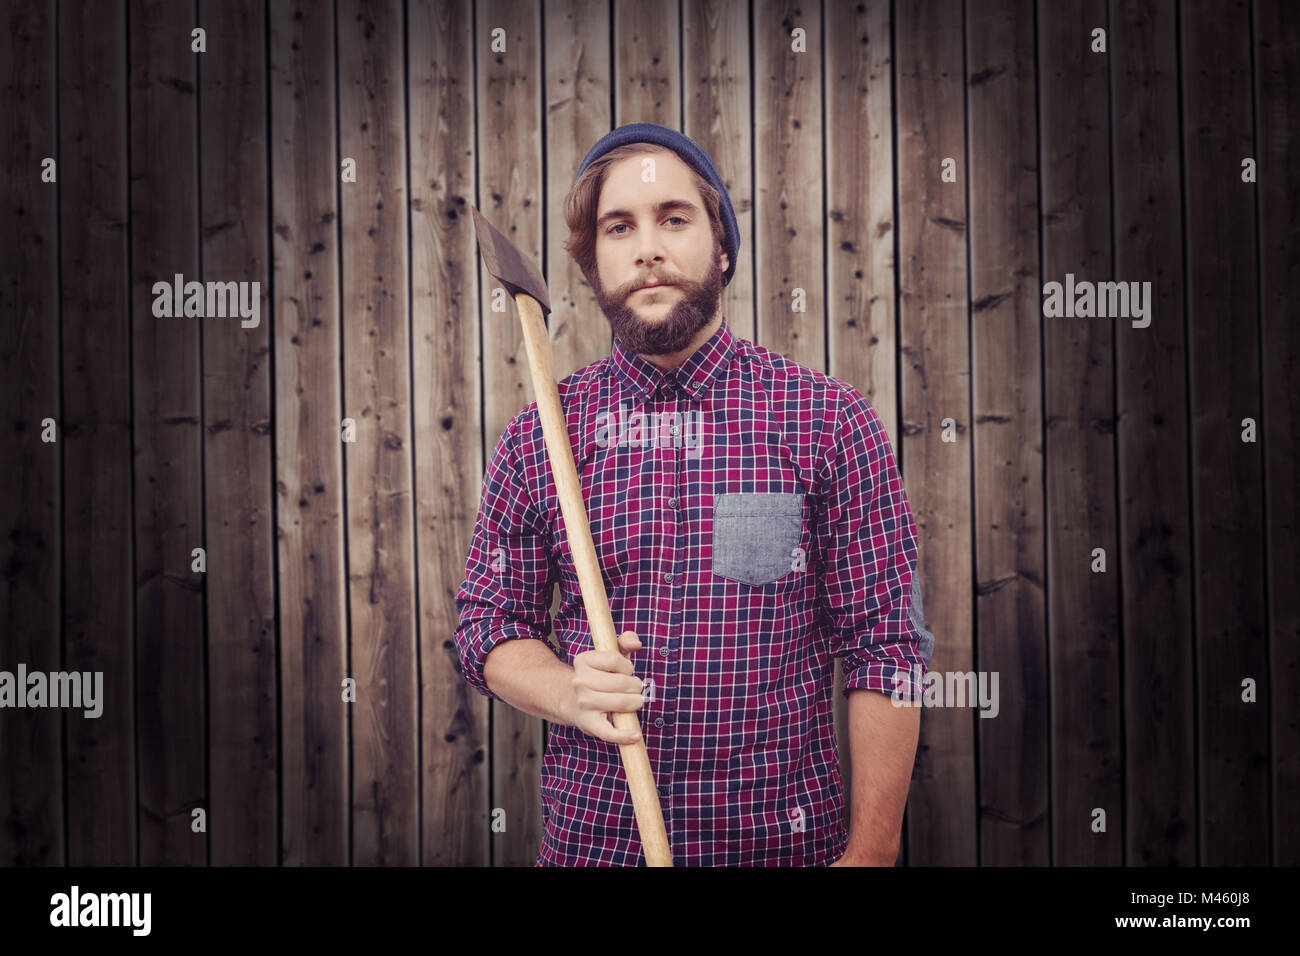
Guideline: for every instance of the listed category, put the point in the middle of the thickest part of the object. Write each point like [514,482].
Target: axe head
[506,264]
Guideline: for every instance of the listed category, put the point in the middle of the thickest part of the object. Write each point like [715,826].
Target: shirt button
[663,650]
[672,502]
[674,430]
[668,577]
[665,790]
[659,721]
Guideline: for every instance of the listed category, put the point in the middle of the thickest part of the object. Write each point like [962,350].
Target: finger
[604,682]
[606,661]
[606,703]
[607,731]
[625,722]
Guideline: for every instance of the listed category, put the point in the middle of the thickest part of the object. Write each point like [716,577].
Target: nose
[649,256]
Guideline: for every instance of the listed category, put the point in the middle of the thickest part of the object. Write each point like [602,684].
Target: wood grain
[1006,390]
[171,676]
[1227,473]
[97,428]
[788,184]
[934,346]
[31,801]
[377,467]
[1277,88]
[238,440]
[1151,385]
[315,748]
[448,421]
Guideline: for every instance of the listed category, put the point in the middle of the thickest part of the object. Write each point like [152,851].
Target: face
[655,232]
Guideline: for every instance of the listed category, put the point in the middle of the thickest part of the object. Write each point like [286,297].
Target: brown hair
[581,203]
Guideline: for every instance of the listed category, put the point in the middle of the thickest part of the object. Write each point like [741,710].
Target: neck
[670,362]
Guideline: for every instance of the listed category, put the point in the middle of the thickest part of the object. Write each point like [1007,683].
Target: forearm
[529,677]
[882,742]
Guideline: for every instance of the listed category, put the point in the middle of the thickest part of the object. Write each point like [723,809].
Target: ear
[726,262]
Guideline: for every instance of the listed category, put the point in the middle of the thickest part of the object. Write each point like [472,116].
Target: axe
[516,272]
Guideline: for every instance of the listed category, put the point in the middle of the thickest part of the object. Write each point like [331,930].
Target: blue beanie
[693,155]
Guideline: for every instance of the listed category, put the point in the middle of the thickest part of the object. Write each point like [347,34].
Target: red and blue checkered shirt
[751,525]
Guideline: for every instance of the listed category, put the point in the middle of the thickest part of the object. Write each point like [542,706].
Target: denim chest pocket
[755,535]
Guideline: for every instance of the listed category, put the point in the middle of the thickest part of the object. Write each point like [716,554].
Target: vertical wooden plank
[1277,90]
[448,416]
[1083,613]
[860,235]
[647,64]
[577,115]
[788,181]
[715,64]
[377,396]
[237,435]
[97,413]
[1151,385]
[1006,403]
[860,206]
[31,627]
[934,336]
[309,454]
[510,194]
[1227,473]
[171,693]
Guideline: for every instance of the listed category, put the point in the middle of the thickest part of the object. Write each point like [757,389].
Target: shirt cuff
[895,669]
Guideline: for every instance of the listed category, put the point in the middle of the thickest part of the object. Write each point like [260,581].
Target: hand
[605,683]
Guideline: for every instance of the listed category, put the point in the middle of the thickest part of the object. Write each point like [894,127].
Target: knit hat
[693,155]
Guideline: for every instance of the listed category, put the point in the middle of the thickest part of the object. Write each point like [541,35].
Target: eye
[620,225]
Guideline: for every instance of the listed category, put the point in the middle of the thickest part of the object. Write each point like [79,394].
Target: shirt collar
[705,366]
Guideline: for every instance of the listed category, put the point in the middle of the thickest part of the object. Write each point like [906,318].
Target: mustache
[653,280]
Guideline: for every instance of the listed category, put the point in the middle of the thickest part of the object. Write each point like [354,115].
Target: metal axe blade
[506,264]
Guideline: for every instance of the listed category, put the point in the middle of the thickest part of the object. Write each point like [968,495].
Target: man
[751,525]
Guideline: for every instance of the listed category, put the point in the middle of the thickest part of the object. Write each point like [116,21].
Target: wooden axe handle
[636,762]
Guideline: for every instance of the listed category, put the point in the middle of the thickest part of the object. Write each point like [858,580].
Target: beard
[672,333]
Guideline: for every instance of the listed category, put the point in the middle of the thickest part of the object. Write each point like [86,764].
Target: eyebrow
[680,204]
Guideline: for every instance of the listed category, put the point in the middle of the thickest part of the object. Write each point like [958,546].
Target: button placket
[670,459]
[671,470]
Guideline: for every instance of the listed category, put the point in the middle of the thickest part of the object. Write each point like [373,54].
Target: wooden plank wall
[1106,512]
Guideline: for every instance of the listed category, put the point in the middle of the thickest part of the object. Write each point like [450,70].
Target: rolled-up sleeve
[866,536]
[506,594]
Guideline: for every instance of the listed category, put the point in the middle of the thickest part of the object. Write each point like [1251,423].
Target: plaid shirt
[751,525]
